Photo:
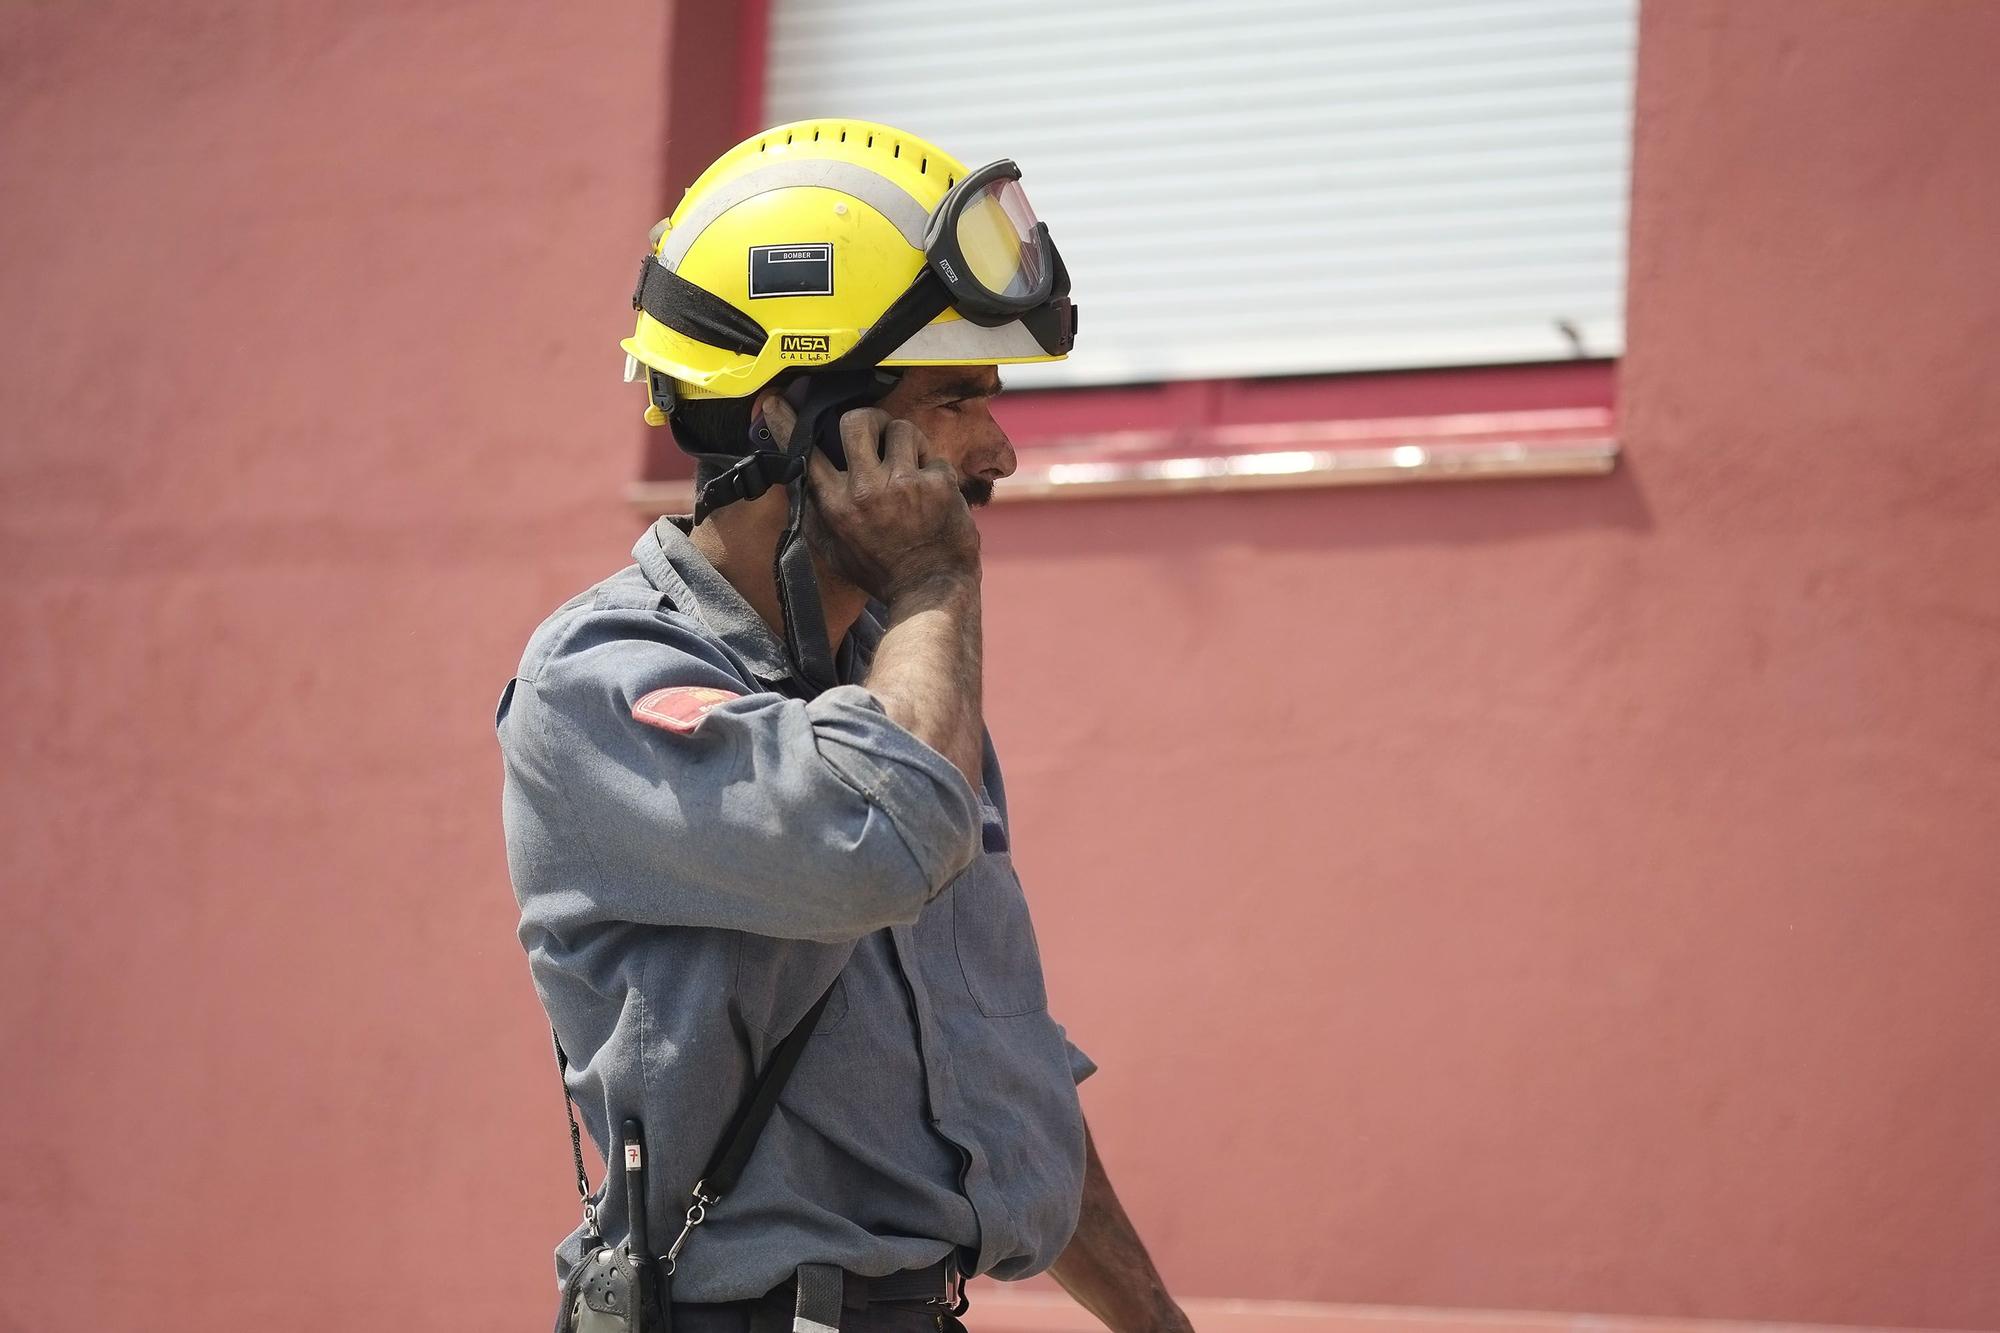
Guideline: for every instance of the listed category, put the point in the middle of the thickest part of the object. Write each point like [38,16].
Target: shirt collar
[670,561]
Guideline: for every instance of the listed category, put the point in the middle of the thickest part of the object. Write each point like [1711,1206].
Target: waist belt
[813,1301]
[939,1283]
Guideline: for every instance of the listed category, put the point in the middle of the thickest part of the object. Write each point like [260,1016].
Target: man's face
[953,407]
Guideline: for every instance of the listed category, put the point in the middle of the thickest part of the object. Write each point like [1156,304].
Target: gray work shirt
[686,897]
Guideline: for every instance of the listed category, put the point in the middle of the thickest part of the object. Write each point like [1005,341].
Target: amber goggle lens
[996,233]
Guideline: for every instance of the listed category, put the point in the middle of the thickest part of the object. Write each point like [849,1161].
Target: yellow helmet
[788,253]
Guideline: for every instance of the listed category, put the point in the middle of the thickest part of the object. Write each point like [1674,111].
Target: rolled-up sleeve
[816,820]
[929,803]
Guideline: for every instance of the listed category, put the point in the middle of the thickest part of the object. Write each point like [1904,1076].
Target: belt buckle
[953,1300]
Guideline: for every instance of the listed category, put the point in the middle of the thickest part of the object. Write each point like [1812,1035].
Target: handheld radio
[615,1289]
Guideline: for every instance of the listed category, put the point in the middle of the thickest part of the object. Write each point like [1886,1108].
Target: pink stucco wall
[310,368]
[1565,895]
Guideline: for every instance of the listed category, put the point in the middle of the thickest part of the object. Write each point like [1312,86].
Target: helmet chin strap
[822,399]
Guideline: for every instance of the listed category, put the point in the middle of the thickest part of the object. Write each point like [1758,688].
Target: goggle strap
[695,312]
[1053,326]
[921,302]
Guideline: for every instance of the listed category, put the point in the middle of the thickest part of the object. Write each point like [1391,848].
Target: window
[1272,187]
[1314,241]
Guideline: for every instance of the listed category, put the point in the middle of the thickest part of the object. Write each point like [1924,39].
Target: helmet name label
[791,270]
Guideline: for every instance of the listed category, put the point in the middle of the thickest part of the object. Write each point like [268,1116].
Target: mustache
[976,490]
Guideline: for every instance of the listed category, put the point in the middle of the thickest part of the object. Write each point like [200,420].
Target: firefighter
[757,832]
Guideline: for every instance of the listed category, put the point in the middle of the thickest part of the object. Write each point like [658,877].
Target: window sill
[1474,446]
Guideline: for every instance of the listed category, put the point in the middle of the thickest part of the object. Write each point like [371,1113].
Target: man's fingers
[926,451]
[938,467]
[778,419]
[828,486]
[861,434]
[900,440]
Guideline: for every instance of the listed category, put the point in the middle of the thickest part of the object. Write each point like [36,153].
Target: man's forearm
[927,668]
[1106,1267]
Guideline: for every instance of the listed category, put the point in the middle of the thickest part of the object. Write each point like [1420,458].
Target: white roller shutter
[1272,187]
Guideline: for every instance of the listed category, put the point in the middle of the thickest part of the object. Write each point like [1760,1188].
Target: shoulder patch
[681,708]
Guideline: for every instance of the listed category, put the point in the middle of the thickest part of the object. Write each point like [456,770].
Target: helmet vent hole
[815,136]
[788,138]
[871,141]
[898,152]
[923,166]
[843,136]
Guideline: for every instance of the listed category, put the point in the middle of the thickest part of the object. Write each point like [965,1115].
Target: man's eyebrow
[966,386]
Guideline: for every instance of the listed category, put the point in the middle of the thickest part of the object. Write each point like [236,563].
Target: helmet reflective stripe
[884,196]
[962,340]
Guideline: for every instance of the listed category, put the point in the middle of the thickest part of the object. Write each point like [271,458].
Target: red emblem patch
[680,709]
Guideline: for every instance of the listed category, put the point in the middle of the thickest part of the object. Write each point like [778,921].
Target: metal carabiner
[697,1213]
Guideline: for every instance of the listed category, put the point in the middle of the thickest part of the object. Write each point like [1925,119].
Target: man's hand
[895,516]
[895,525]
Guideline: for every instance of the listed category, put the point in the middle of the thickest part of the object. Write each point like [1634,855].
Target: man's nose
[996,460]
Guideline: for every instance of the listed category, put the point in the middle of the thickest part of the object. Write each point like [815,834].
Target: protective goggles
[986,255]
[993,253]
[989,257]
